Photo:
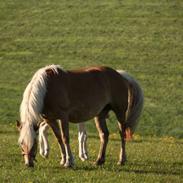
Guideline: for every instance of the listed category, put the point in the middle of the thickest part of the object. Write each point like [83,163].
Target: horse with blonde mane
[77,96]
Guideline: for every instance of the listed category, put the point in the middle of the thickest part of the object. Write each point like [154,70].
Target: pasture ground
[143,37]
[149,160]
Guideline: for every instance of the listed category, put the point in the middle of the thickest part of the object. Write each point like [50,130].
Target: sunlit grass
[143,37]
[149,160]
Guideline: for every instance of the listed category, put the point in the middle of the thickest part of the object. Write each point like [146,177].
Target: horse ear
[19,126]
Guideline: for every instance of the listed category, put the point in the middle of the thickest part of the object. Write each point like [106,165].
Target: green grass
[149,160]
[143,37]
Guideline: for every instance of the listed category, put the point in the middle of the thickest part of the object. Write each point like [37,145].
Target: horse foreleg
[57,132]
[43,140]
[82,139]
[41,143]
[104,134]
[65,138]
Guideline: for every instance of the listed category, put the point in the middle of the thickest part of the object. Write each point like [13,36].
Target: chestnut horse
[82,134]
[76,96]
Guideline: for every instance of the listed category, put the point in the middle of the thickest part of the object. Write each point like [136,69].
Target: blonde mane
[32,103]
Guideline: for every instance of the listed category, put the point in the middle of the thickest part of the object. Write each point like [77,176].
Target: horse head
[28,142]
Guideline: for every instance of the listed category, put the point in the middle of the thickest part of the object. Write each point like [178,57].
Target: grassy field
[149,160]
[143,37]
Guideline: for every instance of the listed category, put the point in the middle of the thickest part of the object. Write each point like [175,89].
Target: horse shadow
[152,167]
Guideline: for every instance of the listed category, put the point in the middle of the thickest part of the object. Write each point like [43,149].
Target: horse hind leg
[101,125]
[85,151]
[121,125]
[65,138]
[82,139]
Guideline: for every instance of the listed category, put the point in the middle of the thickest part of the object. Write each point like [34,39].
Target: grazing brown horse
[77,96]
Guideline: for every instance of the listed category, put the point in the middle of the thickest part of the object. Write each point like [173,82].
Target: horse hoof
[121,163]
[62,162]
[68,165]
[83,157]
[100,162]
[41,153]
[86,156]
[46,153]
[46,156]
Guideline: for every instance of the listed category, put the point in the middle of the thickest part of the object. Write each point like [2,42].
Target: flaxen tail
[135,104]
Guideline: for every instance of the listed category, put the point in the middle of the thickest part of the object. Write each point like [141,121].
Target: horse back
[104,80]
[84,93]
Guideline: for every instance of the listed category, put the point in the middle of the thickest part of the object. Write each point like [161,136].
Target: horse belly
[85,112]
